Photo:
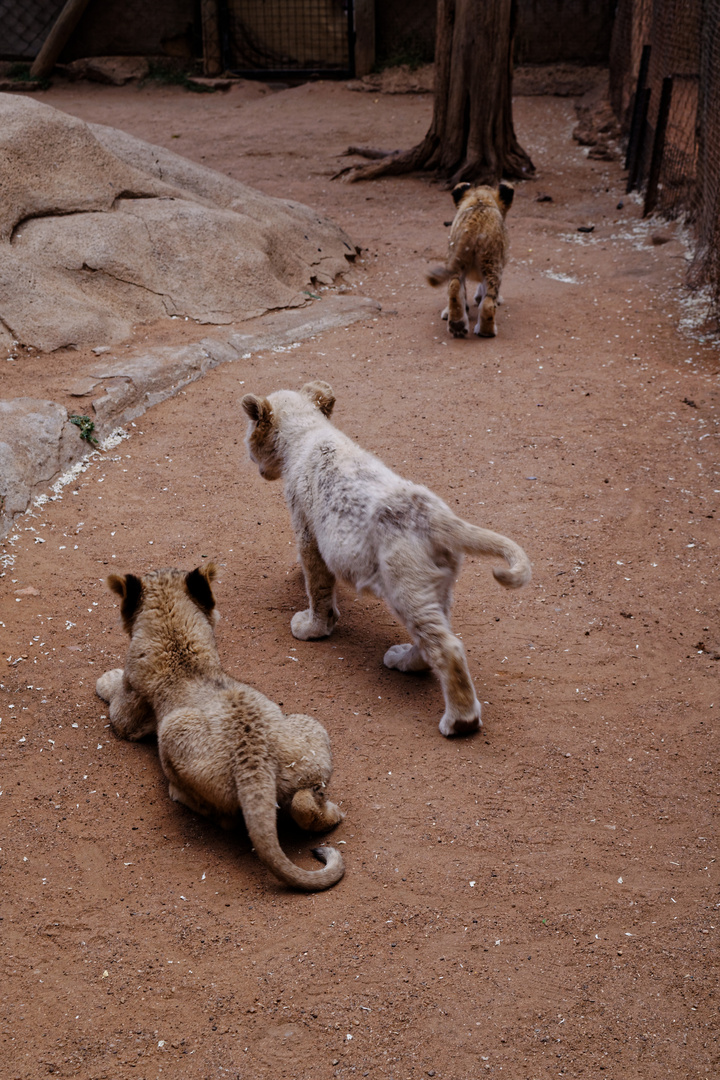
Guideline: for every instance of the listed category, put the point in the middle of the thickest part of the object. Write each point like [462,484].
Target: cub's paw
[454,724]
[109,684]
[486,328]
[486,319]
[306,626]
[405,658]
[458,329]
[312,810]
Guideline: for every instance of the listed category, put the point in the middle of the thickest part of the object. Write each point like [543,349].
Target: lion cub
[477,248]
[357,520]
[224,746]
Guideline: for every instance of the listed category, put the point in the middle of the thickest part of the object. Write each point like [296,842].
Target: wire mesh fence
[706,204]
[163,28]
[24,26]
[245,36]
[664,87]
[287,36]
[405,32]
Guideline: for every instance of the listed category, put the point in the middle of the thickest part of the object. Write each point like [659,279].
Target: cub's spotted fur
[477,248]
[357,520]
[224,747]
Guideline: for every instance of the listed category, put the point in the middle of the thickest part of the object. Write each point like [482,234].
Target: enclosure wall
[549,31]
[684,42]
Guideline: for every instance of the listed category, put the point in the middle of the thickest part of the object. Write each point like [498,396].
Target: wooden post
[364,37]
[658,146]
[637,105]
[636,161]
[58,38]
[212,49]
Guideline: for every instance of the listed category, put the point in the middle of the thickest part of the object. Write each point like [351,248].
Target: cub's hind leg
[317,621]
[301,747]
[410,657]
[425,610]
[457,316]
[312,810]
[186,798]
[405,658]
[480,293]
[487,296]
[195,767]
[447,659]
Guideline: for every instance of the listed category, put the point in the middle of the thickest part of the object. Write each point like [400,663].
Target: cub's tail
[259,809]
[476,541]
[437,275]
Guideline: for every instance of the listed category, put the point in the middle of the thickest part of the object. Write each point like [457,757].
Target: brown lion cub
[357,520]
[224,746]
[477,248]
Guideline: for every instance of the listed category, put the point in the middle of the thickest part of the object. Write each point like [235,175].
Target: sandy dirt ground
[535,901]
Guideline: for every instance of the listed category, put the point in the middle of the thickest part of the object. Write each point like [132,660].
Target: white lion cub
[356,519]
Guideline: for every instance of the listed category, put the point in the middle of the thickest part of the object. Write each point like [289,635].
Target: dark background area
[549,31]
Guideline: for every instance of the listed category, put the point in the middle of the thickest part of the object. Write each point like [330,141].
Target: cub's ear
[459,190]
[198,584]
[129,589]
[321,395]
[258,409]
[506,194]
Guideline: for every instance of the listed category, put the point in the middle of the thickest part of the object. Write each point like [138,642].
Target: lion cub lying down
[224,747]
[477,248]
[357,520]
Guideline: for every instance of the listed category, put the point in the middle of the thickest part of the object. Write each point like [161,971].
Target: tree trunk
[471,136]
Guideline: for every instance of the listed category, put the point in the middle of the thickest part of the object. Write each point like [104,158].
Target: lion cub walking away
[357,520]
[477,248]
[224,746]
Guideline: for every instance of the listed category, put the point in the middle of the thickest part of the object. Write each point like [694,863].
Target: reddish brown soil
[540,900]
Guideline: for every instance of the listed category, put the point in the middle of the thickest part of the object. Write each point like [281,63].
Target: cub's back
[478,228]
[356,504]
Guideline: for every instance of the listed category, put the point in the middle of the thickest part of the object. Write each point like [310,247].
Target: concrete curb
[39,443]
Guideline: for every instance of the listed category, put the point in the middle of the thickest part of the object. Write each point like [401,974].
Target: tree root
[394,163]
[424,157]
[368,152]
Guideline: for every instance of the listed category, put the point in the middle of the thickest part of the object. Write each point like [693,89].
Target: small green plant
[169,74]
[87,426]
[21,73]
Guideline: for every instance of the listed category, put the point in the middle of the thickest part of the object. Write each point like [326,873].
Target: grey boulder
[100,231]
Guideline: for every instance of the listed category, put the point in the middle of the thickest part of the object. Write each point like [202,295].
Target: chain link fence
[24,26]
[248,36]
[664,89]
[168,28]
[287,36]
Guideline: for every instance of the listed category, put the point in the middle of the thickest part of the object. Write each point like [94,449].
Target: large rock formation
[99,231]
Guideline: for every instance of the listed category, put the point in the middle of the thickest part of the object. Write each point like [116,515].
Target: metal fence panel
[684,177]
[24,26]
[286,36]
[111,28]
